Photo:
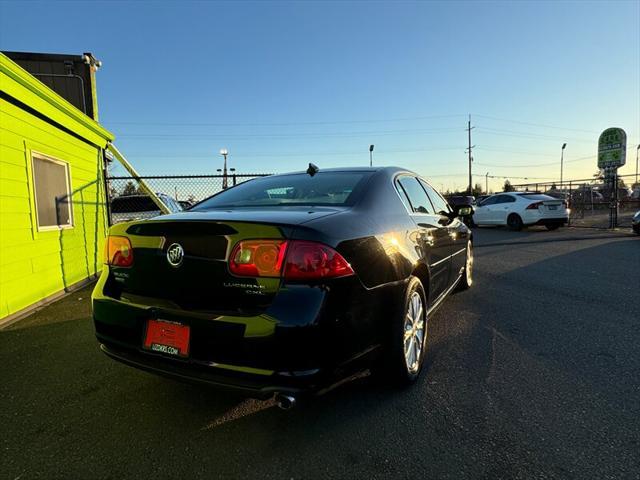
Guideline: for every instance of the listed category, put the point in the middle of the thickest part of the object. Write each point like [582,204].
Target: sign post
[612,154]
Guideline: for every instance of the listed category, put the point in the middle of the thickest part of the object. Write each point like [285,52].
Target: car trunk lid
[200,279]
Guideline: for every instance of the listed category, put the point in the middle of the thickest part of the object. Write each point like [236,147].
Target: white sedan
[520,209]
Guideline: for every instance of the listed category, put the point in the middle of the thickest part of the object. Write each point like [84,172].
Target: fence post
[569,205]
[234,179]
[107,190]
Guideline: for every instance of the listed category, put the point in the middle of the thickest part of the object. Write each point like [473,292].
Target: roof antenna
[312,170]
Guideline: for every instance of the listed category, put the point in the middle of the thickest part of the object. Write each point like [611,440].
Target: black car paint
[268,335]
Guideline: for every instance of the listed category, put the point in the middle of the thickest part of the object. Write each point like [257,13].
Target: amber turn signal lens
[119,251]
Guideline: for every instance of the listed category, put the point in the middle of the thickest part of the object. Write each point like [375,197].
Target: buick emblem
[175,254]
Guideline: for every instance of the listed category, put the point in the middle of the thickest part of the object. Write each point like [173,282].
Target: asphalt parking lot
[533,373]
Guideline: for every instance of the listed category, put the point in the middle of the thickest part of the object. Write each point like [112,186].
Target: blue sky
[283,83]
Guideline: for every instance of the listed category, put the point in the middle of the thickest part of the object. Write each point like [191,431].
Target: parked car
[520,209]
[285,284]
[481,198]
[137,207]
[461,200]
[185,204]
[635,222]
[559,194]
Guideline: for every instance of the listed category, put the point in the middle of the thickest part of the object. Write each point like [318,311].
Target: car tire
[552,226]
[403,359]
[514,222]
[466,280]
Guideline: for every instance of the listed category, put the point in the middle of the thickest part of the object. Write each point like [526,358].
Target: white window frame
[47,158]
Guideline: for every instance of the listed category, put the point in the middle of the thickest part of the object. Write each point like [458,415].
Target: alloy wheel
[414,332]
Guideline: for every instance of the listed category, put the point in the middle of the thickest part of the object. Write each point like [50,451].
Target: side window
[439,204]
[417,196]
[403,196]
[488,201]
[52,192]
[505,199]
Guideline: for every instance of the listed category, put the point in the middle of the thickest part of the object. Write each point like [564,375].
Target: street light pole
[224,152]
[637,150]
[371,155]
[564,145]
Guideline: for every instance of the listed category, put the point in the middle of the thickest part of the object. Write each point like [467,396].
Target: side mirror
[463,210]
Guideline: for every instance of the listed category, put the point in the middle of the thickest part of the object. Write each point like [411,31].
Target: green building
[53,218]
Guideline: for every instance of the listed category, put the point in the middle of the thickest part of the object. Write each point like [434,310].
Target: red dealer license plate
[166,337]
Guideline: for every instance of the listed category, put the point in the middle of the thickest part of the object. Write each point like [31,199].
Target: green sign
[612,148]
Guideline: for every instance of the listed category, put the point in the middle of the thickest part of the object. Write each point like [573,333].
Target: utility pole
[371,155]
[486,183]
[469,128]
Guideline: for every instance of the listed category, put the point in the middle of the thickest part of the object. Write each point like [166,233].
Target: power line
[534,124]
[536,136]
[161,136]
[284,124]
[579,159]
[293,154]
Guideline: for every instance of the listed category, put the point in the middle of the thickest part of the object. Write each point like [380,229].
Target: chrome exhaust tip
[285,402]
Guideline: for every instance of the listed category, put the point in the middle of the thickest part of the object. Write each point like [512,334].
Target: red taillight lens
[534,206]
[258,258]
[294,260]
[310,260]
[119,251]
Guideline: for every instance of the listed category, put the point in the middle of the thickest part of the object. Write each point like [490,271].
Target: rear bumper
[308,339]
[252,385]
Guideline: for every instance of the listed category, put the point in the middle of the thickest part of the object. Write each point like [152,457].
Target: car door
[433,238]
[501,209]
[456,229]
[481,214]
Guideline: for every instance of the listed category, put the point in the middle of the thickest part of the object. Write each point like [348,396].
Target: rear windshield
[328,188]
[133,203]
[536,196]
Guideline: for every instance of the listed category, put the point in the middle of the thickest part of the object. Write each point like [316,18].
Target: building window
[52,192]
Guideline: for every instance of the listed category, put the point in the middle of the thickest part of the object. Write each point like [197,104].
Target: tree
[507,186]
[477,190]
[129,189]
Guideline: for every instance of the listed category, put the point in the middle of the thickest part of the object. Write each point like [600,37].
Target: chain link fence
[127,200]
[594,202]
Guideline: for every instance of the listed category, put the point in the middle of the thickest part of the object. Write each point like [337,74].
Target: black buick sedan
[286,284]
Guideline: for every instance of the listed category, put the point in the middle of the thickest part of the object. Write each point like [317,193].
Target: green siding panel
[35,264]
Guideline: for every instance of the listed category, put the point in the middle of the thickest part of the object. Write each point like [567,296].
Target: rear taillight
[534,206]
[310,260]
[293,260]
[258,258]
[119,251]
